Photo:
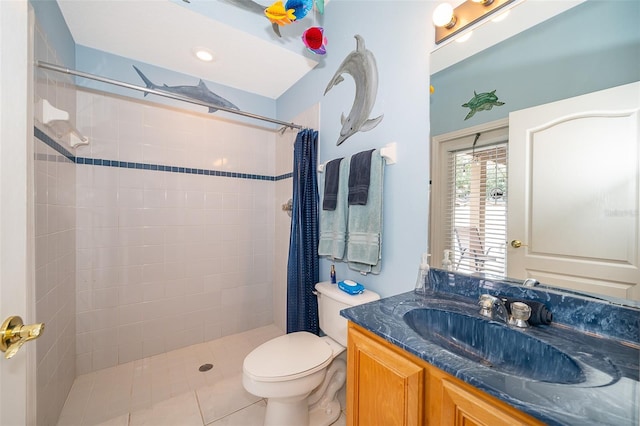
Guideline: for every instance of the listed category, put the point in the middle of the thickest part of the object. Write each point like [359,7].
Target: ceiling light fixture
[203,54]
[450,21]
[443,16]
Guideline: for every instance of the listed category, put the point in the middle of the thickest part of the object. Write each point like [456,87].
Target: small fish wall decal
[481,102]
[361,65]
[200,92]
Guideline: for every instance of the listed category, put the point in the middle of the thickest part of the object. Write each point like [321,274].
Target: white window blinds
[477,209]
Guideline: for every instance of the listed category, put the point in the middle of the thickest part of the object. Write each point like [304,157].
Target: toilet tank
[331,300]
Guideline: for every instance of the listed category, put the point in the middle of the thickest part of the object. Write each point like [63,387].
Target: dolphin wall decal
[361,65]
[200,92]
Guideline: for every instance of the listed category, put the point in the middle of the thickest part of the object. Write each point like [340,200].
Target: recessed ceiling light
[203,54]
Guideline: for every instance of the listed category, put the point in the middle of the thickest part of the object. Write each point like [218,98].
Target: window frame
[441,146]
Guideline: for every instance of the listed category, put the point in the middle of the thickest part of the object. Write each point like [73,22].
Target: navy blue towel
[331,181]
[359,177]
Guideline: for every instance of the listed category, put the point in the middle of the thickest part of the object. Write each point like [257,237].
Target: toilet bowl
[300,373]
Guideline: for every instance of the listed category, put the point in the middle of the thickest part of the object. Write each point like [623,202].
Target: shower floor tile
[168,389]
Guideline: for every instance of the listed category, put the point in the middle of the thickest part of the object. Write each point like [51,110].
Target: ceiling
[165,32]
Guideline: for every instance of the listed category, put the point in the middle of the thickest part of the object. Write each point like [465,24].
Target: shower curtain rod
[57,68]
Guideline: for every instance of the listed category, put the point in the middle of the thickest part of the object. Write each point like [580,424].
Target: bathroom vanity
[434,360]
[389,386]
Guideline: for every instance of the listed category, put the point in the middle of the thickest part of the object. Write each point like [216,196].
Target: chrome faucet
[530,282]
[494,308]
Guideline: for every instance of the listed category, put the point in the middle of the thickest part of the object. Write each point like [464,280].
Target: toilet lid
[288,357]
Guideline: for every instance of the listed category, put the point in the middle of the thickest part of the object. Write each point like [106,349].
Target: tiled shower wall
[55,251]
[175,238]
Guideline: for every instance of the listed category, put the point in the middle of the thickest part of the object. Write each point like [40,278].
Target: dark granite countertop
[600,336]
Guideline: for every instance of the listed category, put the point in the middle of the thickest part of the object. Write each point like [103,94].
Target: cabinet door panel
[461,407]
[383,387]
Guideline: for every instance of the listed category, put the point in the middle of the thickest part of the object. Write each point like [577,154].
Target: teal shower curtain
[303,265]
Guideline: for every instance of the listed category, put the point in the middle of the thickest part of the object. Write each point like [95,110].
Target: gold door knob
[14,334]
[517,244]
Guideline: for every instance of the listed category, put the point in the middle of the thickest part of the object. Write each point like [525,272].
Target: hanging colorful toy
[314,40]
[300,7]
[278,14]
[283,14]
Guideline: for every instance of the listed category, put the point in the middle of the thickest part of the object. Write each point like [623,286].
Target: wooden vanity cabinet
[388,386]
[384,387]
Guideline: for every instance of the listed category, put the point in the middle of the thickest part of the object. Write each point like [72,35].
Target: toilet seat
[288,357]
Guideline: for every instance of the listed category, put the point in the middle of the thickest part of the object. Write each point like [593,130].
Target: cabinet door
[466,407]
[383,387]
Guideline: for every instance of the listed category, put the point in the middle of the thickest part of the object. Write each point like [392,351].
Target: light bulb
[443,16]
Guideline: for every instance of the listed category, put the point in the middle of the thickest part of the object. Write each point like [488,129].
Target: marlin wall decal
[200,92]
[361,65]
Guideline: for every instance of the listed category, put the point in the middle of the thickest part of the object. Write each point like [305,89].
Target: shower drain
[205,367]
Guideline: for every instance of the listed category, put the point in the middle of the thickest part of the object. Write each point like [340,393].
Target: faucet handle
[487,302]
[520,313]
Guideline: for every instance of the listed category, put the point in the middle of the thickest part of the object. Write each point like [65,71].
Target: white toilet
[299,373]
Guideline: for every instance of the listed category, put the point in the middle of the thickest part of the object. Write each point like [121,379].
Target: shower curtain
[303,268]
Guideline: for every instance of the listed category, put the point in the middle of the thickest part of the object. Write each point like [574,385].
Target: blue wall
[590,47]
[53,24]
[119,68]
[115,67]
[593,46]
[400,37]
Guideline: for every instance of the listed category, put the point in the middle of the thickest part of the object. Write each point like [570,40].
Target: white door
[16,298]
[574,192]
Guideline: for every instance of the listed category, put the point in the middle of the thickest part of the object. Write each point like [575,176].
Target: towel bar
[388,152]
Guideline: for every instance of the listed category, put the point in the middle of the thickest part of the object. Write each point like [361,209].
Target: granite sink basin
[495,345]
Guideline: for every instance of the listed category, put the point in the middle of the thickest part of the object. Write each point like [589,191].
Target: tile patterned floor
[169,389]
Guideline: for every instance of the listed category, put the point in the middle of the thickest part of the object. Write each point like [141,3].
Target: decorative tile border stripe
[172,169]
[53,144]
[145,166]
[284,176]
[53,158]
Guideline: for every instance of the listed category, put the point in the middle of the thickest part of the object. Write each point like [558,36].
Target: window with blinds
[477,203]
